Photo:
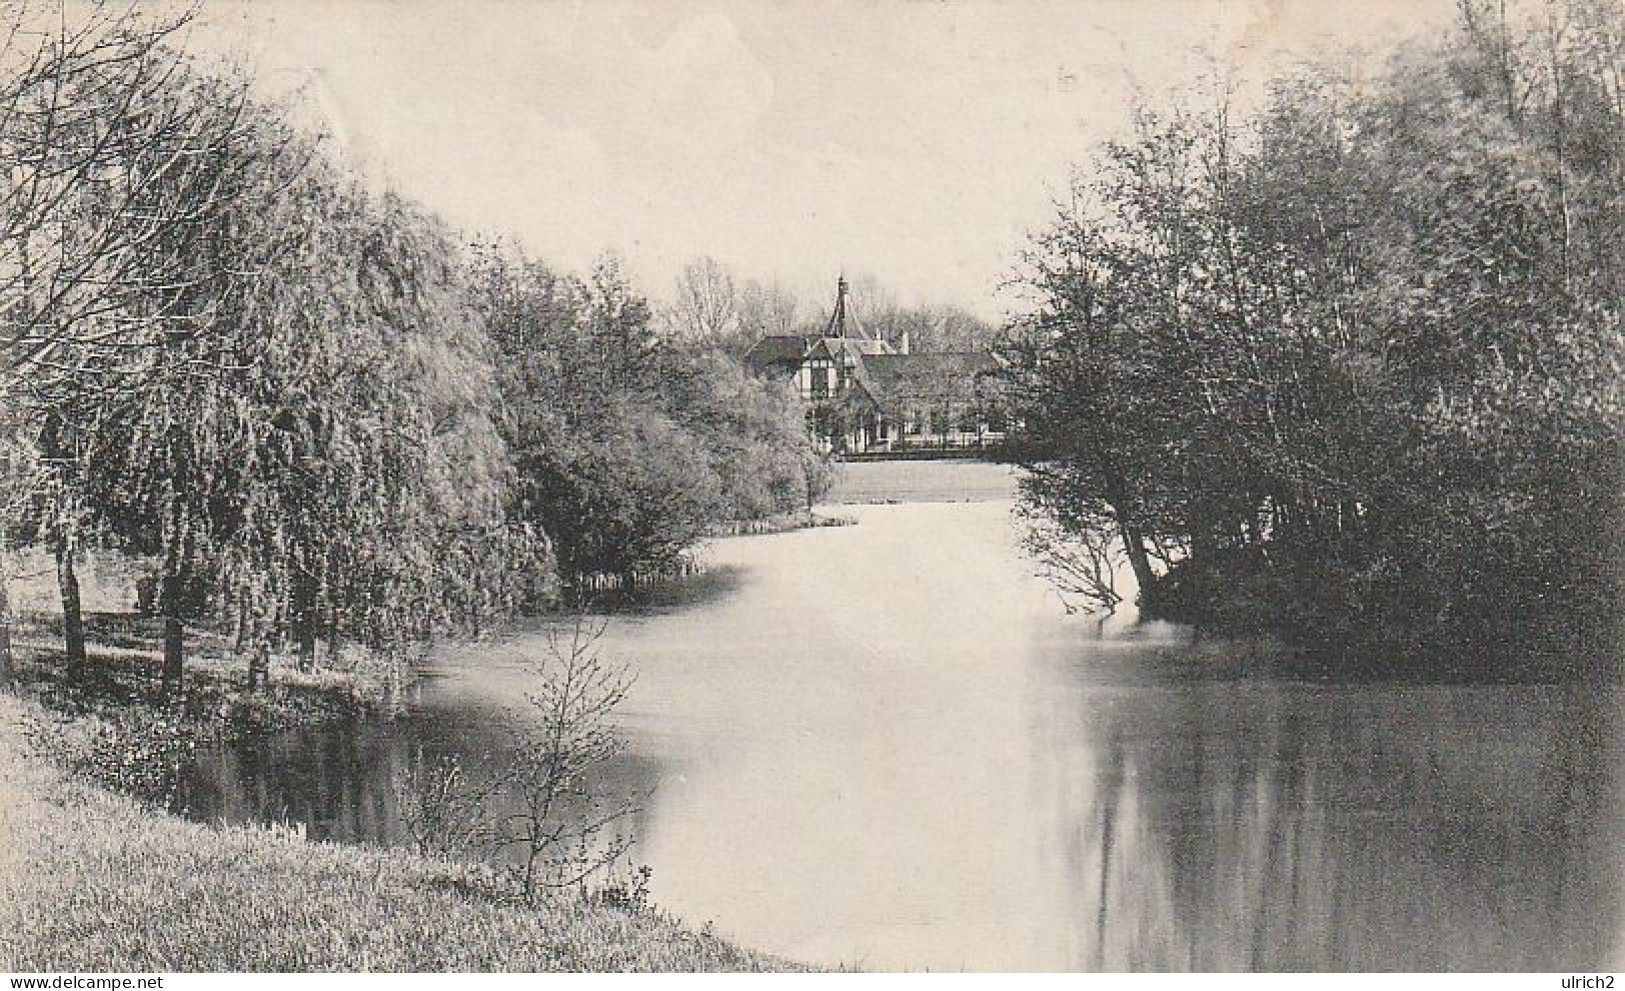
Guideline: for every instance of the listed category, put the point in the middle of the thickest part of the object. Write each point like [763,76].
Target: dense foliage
[630,446]
[1355,368]
[307,409]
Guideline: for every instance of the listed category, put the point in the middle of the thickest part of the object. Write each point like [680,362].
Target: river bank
[92,881]
[1339,624]
[949,480]
[97,875]
[123,674]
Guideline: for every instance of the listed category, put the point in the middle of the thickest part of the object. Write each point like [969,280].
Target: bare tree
[1080,565]
[565,828]
[114,162]
[707,304]
[766,310]
[444,807]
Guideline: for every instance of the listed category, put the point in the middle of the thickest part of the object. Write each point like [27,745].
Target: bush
[138,753]
[444,807]
[630,892]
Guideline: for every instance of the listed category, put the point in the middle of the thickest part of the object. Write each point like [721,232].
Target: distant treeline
[1353,368]
[311,411]
[711,306]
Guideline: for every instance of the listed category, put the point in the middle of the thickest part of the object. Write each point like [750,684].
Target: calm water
[885,745]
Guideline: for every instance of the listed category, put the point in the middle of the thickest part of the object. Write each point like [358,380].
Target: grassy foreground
[92,881]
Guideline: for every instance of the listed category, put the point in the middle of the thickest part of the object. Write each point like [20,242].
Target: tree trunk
[174,638]
[1508,76]
[239,642]
[334,645]
[73,620]
[305,621]
[259,664]
[1560,148]
[8,672]
[1204,545]
[1138,559]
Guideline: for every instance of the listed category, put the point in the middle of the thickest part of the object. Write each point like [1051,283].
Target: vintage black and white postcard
[973,485]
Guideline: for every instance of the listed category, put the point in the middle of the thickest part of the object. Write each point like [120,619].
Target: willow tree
[115,165]
[322,459]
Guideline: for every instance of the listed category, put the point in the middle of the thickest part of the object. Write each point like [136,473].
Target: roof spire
[838,319]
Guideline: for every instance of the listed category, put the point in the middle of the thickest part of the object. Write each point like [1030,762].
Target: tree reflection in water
[887,748]
[1239,826]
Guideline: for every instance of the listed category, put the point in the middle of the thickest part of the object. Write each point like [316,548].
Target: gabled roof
[895,380]
[867,346]
[784,351]
[933,364]
[879,375]
[852,354]
[858,349]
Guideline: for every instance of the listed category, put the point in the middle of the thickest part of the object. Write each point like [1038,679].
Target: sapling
[564,828]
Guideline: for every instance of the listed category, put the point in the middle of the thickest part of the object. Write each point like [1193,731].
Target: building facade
[864,396]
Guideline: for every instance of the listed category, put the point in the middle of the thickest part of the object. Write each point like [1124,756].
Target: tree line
[711,306]
[1352,367]
[312,412]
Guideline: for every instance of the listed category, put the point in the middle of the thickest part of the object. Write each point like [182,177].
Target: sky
[917,142]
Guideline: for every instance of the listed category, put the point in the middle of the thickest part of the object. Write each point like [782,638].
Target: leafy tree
[752,433]
[630,491]
[630,447]
[118,161]
[1351,366]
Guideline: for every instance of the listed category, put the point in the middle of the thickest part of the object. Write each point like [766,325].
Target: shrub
[629,892]
[141,754]
[443,807]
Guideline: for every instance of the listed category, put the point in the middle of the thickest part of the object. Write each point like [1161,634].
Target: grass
[124,650]
[956,480]
[92,881]
[124,672]
[802,519]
